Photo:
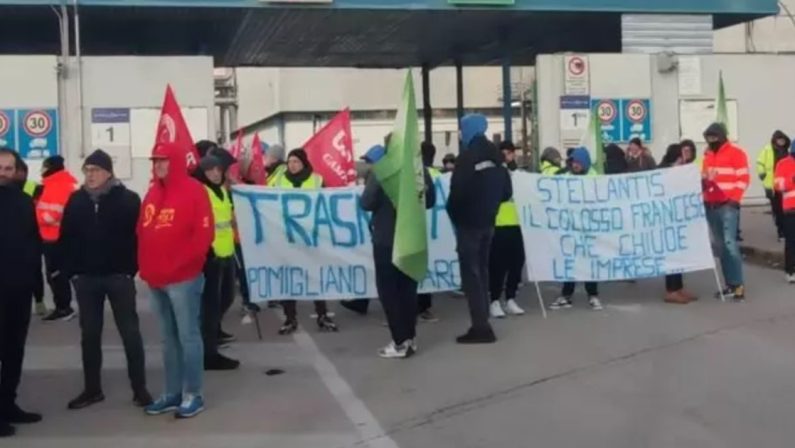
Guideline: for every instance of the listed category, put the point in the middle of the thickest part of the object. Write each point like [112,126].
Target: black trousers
[59,284]
[591,288]
[290,308]
[778,212]
[674,282]
[424,303]
[120,291]
[240,271]
[14,321]
[398,294]
[506,262]
[789,242]
[473,247]
[38,286]
[217,297]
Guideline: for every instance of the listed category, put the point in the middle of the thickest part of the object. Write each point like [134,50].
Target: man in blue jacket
[480,183]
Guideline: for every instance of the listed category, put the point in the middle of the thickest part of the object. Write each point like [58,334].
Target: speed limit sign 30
[37,123]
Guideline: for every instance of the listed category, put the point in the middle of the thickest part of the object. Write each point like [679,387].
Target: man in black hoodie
[20,259]
[479,185]
[777,149]
[98,237]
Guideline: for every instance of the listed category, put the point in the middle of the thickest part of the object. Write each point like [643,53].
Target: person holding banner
[175,233]
[477,188]
[785,187]
[299,174]
[551,161]
[507,250]
[725,179]
[274,165]
[579,164]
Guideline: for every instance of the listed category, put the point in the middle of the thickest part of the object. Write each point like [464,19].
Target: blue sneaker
[163,405]
[191,406]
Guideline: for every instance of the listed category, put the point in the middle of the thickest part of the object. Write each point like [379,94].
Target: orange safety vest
[57,188]
[785,182]
[727,174]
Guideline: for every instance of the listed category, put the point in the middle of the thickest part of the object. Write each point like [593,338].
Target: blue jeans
[723,221]
[178,308]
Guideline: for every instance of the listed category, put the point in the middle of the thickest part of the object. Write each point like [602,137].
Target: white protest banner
[315,244]
[619,227]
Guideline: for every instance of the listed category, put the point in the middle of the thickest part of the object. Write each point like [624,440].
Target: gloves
[374,154]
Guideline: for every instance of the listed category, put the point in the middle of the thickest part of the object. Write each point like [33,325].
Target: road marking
[363,420]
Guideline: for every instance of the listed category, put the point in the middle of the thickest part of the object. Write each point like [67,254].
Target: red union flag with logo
[330,152]
[172,129]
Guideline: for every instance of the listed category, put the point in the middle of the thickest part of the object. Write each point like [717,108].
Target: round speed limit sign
[5,123]
[636,111]
[37,123]
[607,111]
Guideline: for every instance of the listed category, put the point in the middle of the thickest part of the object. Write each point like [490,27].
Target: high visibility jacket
[275,178]
[29,188]
[785,182]
[312,182]
[57,188]
[507,214]
[549,168]
[766,166]
[434,173]
[224,241]
[727,174]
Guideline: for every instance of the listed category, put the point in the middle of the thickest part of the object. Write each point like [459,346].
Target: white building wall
[761,85]
[769,35]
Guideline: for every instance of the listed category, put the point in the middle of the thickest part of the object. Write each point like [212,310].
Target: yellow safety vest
[224,242]
[276,177]
[549,168]
[312,182]
[507,215]
[766,166]
[434,173]
[29,188]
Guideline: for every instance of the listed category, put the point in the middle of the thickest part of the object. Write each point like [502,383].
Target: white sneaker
[560,303]
[791,278]
[596,304]
[392,351]
[496,310]
[513,309]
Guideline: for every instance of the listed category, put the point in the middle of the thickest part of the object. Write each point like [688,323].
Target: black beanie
[101,159]
[54,163]
[716,130]
[301,155]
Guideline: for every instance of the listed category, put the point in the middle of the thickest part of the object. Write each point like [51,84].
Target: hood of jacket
[59,177]
[551,155]
[177,167]
[473,125]
[582,157]
[779,135]
[615,159]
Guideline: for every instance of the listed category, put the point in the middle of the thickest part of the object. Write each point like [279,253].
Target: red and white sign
[5,123]
[607,111]
[37,123]
[577,75]
[636,111]
[330,152]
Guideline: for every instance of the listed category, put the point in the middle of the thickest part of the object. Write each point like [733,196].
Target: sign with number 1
[110,131]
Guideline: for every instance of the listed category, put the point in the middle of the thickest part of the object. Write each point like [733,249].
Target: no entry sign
[576,73]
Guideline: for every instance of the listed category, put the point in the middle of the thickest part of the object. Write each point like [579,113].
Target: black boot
[6,430]
[220,362]
[142,398]
[85,400]
[14,415]
[474,336]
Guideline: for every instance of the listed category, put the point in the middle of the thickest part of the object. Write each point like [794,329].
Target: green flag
[720,105]
[593,140]
[402,177]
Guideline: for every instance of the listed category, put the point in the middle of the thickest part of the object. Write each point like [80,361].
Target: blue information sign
[609,113]
[8,128]
[624,119]
[37,133]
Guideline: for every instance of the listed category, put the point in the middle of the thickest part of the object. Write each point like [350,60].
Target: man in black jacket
[20,259]
[480,183]
[98,234]
[397,291]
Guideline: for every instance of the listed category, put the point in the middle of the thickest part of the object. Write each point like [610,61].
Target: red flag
[330,151]
[172,129]
[236,150]
[256,169]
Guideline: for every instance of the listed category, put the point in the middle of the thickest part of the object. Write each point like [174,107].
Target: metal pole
[507,112]
[427,112]
[525,148]
[79,58]
[459,95]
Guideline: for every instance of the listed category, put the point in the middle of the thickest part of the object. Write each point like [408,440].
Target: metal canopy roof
[357,33]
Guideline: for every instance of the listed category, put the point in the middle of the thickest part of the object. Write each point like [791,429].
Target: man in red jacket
[175,232]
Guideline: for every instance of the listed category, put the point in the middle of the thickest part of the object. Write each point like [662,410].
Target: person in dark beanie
[480,183]
[20,259]
[57,186]
[99,243]
[219,269]
[448,163]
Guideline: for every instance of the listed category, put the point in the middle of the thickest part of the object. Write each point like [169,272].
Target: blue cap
[473,125]
[374,154]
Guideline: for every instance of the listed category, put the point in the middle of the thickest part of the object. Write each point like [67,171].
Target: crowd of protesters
[181,239]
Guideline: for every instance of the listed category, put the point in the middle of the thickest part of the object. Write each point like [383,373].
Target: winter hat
[716,130]
[374,154]
[507,145]
[473,125]
[204,147]
[210,162]
[54,163]
[582,157]
[225,157]
[100,159]
[301,155]
[449,158]
[276,152]
[551,154]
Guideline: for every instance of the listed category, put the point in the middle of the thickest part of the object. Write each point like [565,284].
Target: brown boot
[676,297]
[688,295]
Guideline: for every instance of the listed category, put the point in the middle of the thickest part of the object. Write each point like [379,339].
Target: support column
[459,94]
[507,110]
[427,111]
